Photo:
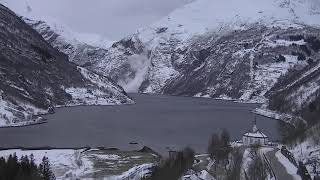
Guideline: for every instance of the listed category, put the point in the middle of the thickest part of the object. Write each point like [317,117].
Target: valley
[160,122]
[215,90]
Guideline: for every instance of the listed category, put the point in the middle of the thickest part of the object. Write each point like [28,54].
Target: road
[278,168]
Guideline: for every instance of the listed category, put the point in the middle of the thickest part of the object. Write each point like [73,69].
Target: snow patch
[291,169]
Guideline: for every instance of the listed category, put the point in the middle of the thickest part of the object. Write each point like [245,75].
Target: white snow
[62,161]
[140,65]
[263,111]
[222,16]
[291,169]
[246,160]
[8,111]
[306,151]
[103,92]
[258,134]
[100,95]
[203,16]
[135,173]
[108,156]
[282,42]
[202,175]
[75,164]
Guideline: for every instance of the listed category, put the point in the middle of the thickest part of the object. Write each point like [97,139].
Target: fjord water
[160,122]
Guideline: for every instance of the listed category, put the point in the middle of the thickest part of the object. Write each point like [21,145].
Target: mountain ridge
[35,77]
[217,49]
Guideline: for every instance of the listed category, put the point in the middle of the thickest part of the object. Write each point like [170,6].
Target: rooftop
[257,134]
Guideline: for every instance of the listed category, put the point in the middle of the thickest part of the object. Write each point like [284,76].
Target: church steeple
[254,129]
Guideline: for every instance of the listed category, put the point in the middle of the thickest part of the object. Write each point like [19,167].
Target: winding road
[278,168]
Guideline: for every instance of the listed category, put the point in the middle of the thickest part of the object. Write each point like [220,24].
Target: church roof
[257,134]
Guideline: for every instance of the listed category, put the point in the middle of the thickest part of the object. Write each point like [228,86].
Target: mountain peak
[202,16]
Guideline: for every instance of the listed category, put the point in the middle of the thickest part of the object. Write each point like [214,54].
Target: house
[255,137]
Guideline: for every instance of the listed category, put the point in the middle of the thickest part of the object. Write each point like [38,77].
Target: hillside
[245,50]
[223,49]
[35,77]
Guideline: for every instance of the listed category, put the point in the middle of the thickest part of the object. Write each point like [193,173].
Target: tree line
[25,168]
[174,167]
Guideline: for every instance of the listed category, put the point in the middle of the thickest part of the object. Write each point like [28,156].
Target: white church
[256,137]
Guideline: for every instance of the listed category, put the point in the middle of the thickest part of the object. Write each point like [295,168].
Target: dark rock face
[33,73]
[223,66]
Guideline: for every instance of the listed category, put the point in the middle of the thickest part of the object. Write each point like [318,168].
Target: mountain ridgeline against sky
[266,52]
[35,77]
[248,50]
[262,51]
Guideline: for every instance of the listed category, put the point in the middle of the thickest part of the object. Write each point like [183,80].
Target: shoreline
[285,118]
[25,124]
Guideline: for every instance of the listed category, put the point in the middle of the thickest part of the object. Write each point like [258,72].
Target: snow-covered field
[92,163]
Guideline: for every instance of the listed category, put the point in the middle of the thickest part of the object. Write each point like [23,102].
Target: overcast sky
[111,18]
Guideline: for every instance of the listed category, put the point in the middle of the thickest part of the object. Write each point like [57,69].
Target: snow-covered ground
[263,111]
[9,111]
[202,175]
[306,152]
[100,91]
[246,160]
[290,168]
[91,164]
[99,95]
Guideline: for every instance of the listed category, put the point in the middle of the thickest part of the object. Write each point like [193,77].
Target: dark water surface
[160,122]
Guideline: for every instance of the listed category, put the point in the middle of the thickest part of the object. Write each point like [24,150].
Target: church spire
[255,129]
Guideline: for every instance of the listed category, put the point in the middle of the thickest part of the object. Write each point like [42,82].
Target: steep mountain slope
[35,77]
[211,48]
[83,49]
[215,48]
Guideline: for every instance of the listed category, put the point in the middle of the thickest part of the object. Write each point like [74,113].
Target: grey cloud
[111,18]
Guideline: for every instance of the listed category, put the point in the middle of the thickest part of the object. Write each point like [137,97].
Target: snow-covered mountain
[215,48]
[35,77]
[247,50]
[81,48]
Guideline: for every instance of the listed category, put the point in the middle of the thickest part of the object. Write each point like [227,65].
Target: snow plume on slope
[139,65]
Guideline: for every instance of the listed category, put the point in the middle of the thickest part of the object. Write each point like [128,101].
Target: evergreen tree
[45,169]
[12,169]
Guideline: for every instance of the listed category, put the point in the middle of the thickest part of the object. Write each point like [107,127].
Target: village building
[255,137]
